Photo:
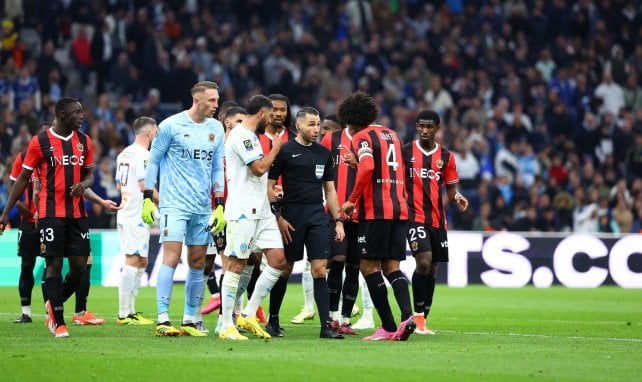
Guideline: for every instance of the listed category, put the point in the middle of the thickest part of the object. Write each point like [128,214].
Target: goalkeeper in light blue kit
[188,153]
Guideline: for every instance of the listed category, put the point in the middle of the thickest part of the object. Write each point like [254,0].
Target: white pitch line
[540,336]
[536,320]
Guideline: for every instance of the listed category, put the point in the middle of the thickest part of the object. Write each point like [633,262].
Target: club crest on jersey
[439,163]
[80,147]
[414,245]
[248,145]
[318,171]
[211,137]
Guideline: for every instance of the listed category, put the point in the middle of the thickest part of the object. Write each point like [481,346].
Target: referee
[307,170]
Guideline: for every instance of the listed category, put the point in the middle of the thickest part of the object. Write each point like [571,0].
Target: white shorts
[247,236]
[211,248]
[134,240]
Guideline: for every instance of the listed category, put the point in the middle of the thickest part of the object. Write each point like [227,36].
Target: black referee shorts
[311,230]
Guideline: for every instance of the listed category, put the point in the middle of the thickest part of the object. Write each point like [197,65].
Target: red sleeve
[327,141]
[89,159]
[450,174]
[34,154]
[362,145]
[17,168]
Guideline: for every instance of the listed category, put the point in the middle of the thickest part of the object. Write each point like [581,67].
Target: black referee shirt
[304,169]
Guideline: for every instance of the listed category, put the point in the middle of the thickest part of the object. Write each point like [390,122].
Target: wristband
[276,209]
[219,201]
[148,194]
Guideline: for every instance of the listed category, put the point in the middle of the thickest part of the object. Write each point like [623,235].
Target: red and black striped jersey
[59,162]
[340,143]
[379,191]
[426,172]
[265,140]
[28,194]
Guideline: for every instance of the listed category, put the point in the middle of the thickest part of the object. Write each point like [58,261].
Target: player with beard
[217,245]
[252,228]
[429,166]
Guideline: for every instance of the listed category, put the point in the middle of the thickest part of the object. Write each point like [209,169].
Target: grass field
[482,334]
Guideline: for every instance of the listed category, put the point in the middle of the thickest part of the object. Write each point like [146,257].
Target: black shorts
[64,237]
[382,239]
[422,238]
[348,246]
[28,240]
[311,229]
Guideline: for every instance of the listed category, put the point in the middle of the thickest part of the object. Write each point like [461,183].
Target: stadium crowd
[541,101]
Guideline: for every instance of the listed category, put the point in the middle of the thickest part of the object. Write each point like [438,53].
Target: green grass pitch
[483,334]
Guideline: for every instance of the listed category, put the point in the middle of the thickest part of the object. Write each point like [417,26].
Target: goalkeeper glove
[217,220]
[150,212]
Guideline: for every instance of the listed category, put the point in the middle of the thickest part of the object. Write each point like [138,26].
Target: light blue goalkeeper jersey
[190,158]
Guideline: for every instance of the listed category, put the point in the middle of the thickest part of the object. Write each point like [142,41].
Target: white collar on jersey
[424,151]
[68,137]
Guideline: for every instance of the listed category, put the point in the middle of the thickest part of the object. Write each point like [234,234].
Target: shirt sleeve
[277,166]
[159,148]
[248,148]
[17,168]
[34,154]
[450,173]
[365,168]
[328,172]
[218,167]
[89,158]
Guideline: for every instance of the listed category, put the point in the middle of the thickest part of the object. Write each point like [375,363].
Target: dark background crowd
[541,101]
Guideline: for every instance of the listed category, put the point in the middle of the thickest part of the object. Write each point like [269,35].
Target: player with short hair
[64,159]
[344,253]
[251,225]
[307,170]
[28,235]
[188,153]
[217,245]
[134,234]
[429,167]
[378,201]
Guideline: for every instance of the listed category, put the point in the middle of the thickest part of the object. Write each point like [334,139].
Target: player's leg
[335,272]
[366,321]
[173,227]
[307,312]
[397,279]
[373,249]
[217,245]
[351,281]
[28,250]
[438,254]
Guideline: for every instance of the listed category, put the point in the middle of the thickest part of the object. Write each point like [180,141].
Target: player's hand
[220,241]
[111,206]
[77,189]
[339,233]
[217,221]
[4,220]
[346,210]
[277,142]
[150,212]
[285,227]
[461,201]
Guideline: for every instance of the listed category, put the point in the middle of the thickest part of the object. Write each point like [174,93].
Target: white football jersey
[131,163]
[246,193]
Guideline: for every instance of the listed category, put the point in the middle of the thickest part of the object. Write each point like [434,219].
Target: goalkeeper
[188,153]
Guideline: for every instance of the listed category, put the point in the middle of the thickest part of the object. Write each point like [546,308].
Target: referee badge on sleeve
[318,171]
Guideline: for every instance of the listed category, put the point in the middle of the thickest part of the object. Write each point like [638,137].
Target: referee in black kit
[307,169]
